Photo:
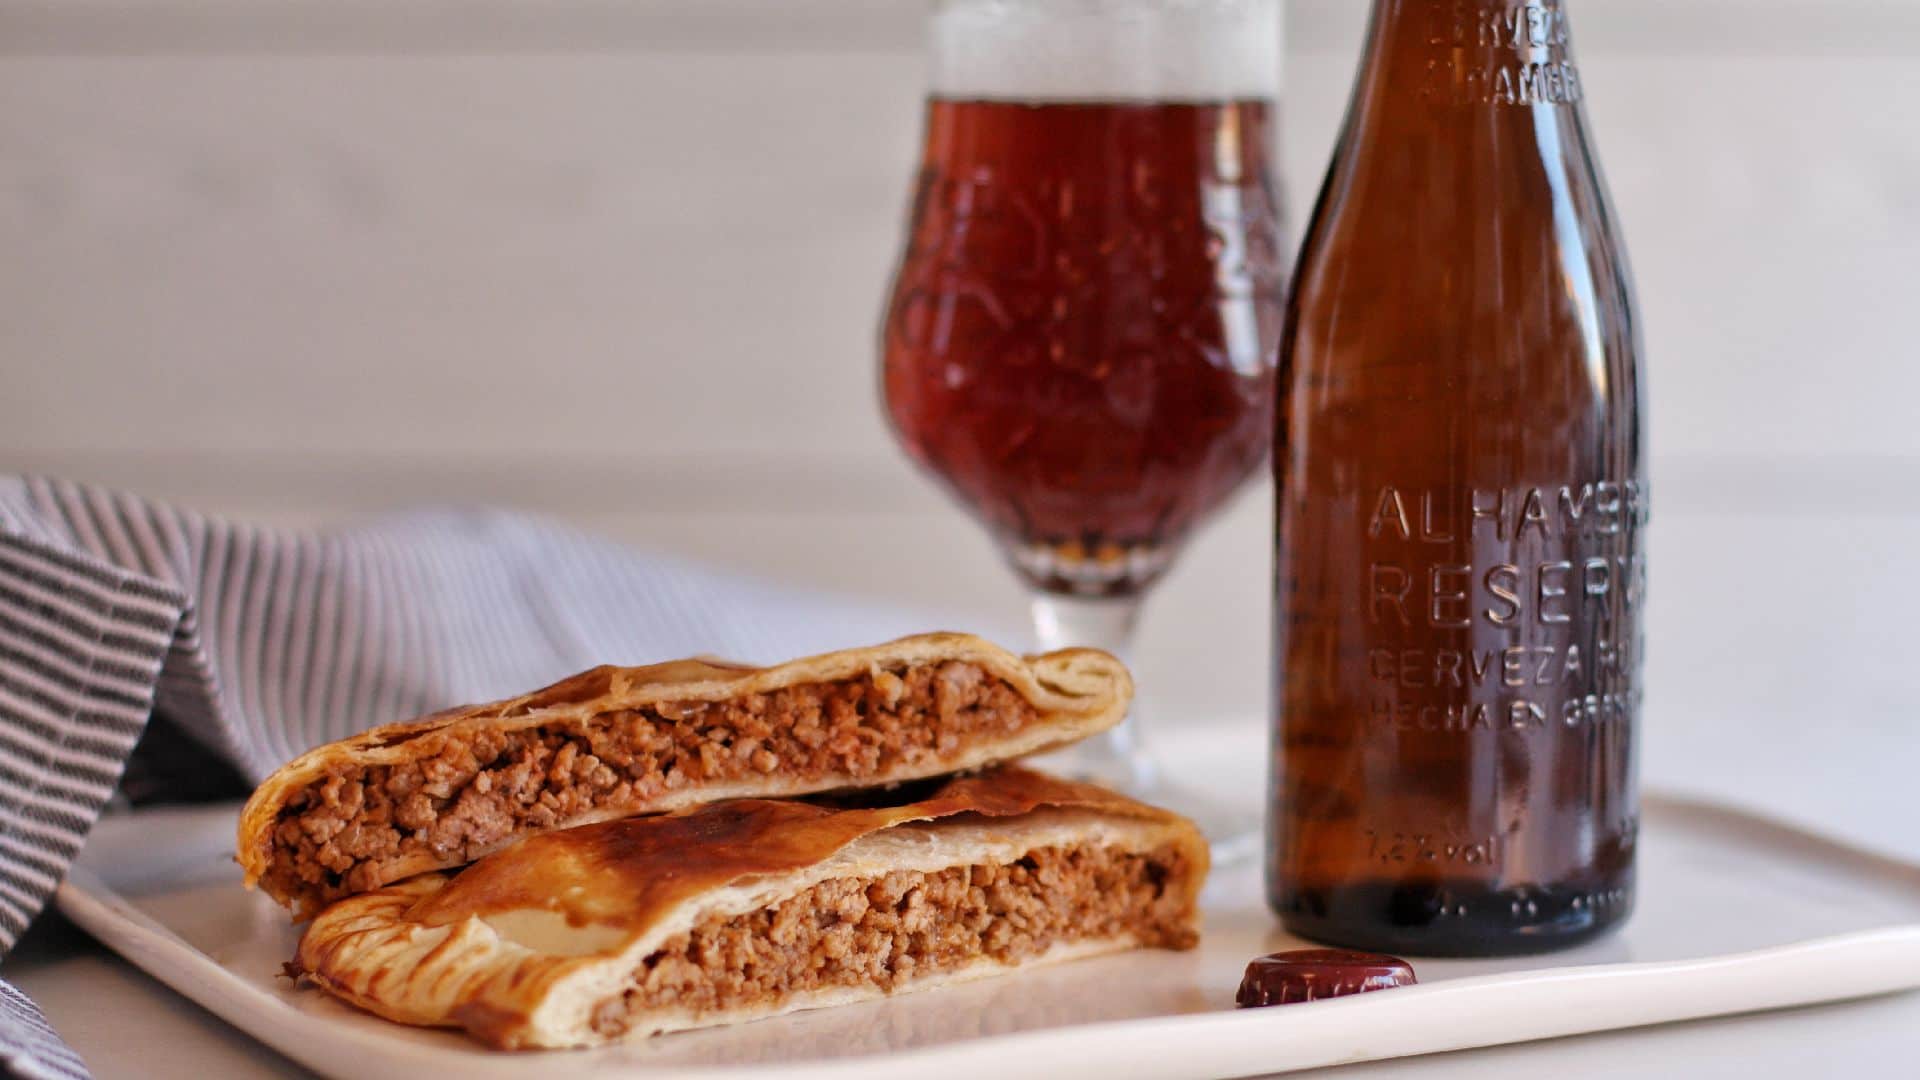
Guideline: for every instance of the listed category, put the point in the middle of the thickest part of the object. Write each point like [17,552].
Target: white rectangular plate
[1736,914]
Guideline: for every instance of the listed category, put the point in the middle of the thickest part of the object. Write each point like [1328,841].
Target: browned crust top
[627,873]
[430,951]
[1077,692]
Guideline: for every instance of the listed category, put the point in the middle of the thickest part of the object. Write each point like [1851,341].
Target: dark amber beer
[1081,335]
[1461,505]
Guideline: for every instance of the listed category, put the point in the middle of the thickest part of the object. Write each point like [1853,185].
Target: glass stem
[1116,758]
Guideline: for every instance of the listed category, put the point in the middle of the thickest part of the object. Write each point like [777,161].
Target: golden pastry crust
[1044,702]
[562,940]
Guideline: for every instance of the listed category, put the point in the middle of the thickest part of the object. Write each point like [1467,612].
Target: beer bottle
[1461,504]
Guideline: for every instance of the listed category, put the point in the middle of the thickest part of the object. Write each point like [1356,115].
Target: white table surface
[128,1025]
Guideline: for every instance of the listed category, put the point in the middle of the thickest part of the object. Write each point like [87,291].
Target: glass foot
[1232,827]
[1117,759]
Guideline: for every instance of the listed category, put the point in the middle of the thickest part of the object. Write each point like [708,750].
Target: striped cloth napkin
[255,644]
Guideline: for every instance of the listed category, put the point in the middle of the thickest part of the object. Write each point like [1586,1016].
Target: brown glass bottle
[1461,504]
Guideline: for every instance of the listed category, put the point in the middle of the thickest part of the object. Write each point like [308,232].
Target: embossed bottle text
[1500,54]
[1547,564]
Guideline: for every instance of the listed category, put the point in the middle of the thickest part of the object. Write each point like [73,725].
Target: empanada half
[439,792]
[753,908]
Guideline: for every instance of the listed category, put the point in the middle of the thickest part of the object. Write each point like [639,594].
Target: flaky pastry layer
[753,908]
[439,792]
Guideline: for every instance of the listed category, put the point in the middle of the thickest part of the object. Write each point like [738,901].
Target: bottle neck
[1468,110]
[1471,53]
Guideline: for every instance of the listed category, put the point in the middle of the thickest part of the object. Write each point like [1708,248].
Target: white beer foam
[1085,50]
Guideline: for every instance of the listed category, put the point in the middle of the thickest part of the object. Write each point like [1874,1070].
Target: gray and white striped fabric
[29,1049]
[261,643]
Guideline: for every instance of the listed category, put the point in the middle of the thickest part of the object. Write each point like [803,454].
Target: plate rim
[1581,999]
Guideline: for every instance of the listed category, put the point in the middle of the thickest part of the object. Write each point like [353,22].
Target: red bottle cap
[1287,978]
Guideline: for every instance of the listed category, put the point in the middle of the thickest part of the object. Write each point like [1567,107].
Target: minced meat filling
[468,795]
[888,931]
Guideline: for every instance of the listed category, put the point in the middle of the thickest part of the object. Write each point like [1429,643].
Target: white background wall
[621,260]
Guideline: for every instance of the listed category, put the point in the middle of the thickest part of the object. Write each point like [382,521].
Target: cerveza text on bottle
[1516,667]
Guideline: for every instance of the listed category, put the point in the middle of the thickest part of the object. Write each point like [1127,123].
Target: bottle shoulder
[1453,234]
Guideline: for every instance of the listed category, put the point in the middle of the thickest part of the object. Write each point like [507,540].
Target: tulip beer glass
[1081,336]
